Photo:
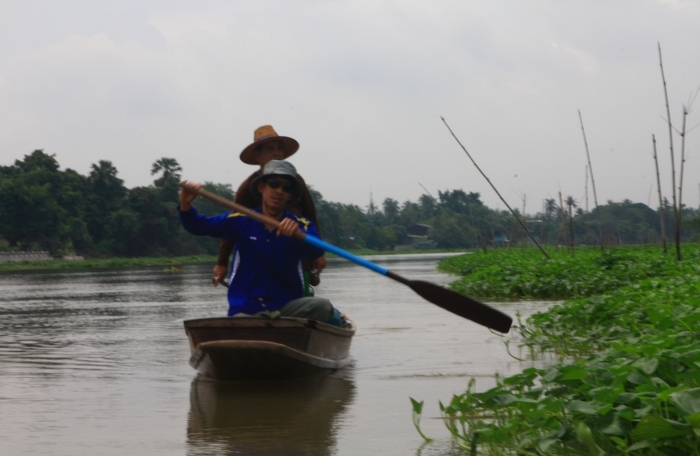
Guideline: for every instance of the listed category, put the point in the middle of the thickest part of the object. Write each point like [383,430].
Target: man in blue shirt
[266,274]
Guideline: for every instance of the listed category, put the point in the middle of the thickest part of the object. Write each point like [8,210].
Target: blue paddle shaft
[316,242]
[451,301]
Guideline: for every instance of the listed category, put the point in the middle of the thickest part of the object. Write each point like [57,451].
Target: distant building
[501,240]
[418,230]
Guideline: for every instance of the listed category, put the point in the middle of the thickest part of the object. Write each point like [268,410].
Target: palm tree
[170,168]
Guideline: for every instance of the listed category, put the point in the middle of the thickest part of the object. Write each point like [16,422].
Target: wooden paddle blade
[461,305]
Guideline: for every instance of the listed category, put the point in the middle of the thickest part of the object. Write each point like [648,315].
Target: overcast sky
[361,85]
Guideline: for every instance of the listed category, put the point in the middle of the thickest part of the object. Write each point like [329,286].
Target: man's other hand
[219,274]
[319,263]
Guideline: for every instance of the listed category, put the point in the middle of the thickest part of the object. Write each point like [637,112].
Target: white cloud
[181,29]
[585,60]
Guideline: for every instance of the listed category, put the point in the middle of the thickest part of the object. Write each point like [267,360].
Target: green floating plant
[526,274]
[630,384]
[417,412]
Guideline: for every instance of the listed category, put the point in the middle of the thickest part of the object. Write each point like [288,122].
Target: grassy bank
[631,380]
[96,263]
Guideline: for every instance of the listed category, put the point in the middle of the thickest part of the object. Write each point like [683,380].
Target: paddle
[449,300]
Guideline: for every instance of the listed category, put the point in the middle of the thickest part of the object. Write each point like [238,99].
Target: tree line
[43,207]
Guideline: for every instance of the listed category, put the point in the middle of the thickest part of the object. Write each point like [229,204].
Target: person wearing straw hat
[266,278]
[268,145]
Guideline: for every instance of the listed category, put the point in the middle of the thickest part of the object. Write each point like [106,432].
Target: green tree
[459,201]
[351,220]
[160,232]
[123,232]
[204,206]
[391,211]
[427,206]
[30,214]
[410,214]
[378,238]
[453,231]
[41,205]
[400,234]
[106,196]
[104,183]
[170,171]
[329,219]
[37,161]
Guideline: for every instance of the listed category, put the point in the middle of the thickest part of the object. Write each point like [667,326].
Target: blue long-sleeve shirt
[266,271]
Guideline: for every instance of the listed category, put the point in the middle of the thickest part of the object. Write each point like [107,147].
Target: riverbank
[105,263]
[628,380]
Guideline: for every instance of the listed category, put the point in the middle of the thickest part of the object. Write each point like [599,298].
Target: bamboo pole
[595,195]
[524,203]
[661,201]
[586,188]
[679,215]
[673,161]
[562,227]
[523,197]
[570,203]
[494,189]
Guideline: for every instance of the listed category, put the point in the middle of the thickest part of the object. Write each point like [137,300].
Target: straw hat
[278,168]
[266,134]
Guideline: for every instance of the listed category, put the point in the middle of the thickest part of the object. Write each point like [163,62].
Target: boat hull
[257,348]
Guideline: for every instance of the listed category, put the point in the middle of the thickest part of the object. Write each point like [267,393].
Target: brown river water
[94,362]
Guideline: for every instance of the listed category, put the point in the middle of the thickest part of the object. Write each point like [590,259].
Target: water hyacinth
[526,274]
[630,382]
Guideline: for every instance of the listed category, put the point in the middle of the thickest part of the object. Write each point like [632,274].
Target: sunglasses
[288,187]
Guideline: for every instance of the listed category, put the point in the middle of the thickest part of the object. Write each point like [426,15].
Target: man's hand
[219,274]
[319,263]
[288,227]
[188,194]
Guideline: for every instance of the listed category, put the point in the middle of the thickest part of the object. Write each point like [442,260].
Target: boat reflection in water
[292,417]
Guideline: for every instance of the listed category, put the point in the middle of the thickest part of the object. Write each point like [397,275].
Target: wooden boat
[256,348]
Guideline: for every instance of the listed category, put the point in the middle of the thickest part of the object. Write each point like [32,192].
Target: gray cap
[278,168]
